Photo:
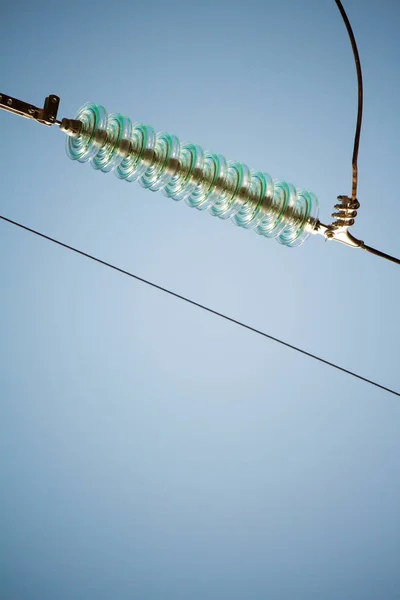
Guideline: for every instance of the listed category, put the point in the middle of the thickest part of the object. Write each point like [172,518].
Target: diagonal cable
[202,306]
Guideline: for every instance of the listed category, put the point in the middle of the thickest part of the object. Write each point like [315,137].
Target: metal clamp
[346,211]
[337,234]
[338,231]
[46,115]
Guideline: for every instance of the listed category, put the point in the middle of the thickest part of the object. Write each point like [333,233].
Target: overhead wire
[358,128]
[360,98]
[199,305]
[380,253]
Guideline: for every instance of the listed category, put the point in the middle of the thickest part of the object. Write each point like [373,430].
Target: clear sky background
[150,450]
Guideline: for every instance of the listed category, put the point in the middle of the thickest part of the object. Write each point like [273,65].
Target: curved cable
[360,98]
[202,306]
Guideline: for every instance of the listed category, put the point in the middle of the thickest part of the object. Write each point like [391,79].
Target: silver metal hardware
[46,115]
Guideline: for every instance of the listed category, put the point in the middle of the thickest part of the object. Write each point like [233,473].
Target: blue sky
[149,450]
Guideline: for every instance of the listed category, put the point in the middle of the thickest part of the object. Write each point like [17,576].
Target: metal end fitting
[46,115]
[338,231]
[71,127]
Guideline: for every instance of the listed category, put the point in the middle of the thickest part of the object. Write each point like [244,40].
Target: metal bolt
[54,99]
[9,102]
[1,97]
[31,111]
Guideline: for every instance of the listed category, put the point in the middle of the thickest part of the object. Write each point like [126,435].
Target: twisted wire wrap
[183,171]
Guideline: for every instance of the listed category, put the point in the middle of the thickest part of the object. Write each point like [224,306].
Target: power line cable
[360,97]
[202,306]
[380,253]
